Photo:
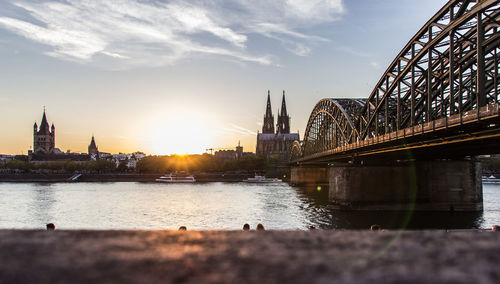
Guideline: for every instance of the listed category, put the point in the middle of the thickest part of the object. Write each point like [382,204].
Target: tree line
[149,164]
[61,166]
[199,163]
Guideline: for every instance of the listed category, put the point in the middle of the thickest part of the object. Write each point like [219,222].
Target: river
[227,206]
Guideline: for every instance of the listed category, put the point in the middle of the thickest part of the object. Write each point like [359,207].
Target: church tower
[268,126]
[44,138]
[93,147]
[283,125]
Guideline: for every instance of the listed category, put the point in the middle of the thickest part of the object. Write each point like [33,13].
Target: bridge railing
[488,111]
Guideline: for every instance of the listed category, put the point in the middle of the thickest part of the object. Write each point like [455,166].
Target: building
[225,155]
[6,158]
[93,150]
[44,145]
[276,144]
[44,138]
[130,160]
[239,151]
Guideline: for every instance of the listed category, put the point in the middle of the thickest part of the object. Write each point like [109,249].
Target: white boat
[169,178]
[490,179]
[262,179]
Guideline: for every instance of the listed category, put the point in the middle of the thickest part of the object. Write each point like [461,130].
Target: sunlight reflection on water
[206,206]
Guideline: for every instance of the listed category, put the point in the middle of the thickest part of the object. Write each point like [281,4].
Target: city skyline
[193,79]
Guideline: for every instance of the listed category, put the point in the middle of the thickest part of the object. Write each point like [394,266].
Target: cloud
[292,40]
[375,64]
[133,32]
[233,128]
[353,51]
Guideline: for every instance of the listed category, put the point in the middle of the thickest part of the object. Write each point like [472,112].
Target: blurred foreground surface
[30,256]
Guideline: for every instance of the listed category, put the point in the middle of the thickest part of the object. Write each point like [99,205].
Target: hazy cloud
[375,64]
[233,128]
[134,32]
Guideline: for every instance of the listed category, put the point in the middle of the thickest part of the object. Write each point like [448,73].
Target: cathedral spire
[283,125]
[283,105]
[268,126]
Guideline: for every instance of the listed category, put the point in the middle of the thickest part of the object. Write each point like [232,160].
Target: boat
[490,179]
[169,178]
[262,179]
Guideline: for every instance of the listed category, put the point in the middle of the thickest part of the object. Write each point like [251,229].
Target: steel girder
[449,67]
[332,124]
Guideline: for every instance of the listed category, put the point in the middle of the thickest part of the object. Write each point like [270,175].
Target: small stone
[51,227]
[375,227]
[260,227]
[182,228]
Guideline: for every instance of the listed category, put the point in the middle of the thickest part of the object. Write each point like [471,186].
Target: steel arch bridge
[443,87]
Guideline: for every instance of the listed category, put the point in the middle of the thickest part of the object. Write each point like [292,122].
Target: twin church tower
[283,125]
[276,144]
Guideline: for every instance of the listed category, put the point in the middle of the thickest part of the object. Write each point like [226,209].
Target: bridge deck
[487,113]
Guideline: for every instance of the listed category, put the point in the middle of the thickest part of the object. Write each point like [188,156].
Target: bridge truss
[447,76]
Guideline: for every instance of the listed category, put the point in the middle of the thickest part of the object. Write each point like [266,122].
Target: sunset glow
[179,131]
[167,77]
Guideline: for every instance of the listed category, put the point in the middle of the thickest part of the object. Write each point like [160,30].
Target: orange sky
[194,78]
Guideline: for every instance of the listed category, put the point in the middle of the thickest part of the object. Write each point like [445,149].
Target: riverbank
[114,177]
[30,256]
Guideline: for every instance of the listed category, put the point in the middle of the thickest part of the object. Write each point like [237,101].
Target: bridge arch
[449,70]
[296,151]
[450,66]
[332,124]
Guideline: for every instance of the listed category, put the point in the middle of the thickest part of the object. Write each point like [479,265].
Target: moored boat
[490,179]
[261,179]
[169,178]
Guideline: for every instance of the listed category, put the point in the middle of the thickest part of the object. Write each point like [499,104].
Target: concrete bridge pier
[310,176]
[436,185]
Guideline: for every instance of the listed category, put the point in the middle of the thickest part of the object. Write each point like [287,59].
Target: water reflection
[41,203]
[323,215]
[210,206]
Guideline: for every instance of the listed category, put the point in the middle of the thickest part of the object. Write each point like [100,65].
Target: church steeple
[268,126]
[44,125]
[93,150]
[44,140]
[283,125]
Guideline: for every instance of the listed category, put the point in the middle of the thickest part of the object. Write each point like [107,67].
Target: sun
[179,132]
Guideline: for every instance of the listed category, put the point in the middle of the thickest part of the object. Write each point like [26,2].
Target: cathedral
[44,138]
[276,144]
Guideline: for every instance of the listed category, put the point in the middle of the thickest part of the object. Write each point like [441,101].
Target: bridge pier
[310,176]
[436,185]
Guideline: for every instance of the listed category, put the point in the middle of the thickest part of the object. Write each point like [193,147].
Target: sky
[176,76]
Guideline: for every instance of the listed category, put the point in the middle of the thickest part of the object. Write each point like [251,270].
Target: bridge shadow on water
[323,215]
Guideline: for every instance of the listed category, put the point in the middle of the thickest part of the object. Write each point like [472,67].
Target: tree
[122,167]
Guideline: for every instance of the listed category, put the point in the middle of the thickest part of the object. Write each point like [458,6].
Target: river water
[130,205]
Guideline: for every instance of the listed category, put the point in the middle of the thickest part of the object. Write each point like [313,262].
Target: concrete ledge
[249,257]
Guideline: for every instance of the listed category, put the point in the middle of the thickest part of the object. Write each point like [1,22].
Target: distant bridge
[439,98]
